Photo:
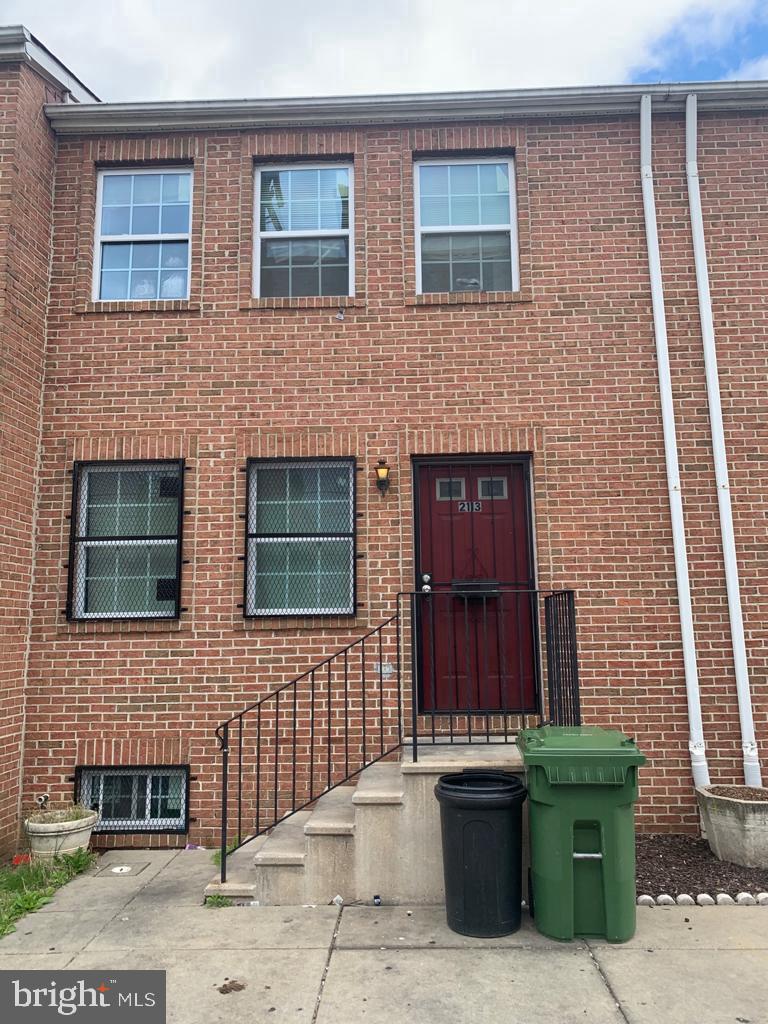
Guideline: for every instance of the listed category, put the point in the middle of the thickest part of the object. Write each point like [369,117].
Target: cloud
[185,49]
[751,70]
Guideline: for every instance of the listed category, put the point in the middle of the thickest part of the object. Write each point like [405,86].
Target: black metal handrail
[321,729]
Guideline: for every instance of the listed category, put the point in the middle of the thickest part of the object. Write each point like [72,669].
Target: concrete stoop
[380,837]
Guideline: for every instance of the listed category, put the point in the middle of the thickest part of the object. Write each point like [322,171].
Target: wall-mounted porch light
[382,476]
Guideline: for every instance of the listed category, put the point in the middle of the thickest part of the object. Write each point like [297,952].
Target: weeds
[31,885]
[217,900]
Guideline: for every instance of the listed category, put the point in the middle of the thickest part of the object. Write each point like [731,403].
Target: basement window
[142,235]
[466,230]
[304,243]
[125,543]
[300,553]
[136,798]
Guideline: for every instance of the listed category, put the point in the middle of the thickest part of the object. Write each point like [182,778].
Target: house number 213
[470,506]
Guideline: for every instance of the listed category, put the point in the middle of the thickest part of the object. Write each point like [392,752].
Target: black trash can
[481,823]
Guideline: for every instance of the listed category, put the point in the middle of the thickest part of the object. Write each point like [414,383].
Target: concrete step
[435,760]
[334,814]
[285,844]
[382,783]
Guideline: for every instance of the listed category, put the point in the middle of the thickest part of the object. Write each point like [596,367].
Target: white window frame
[79,554]
[492,479]
[469,229]
[450,480]
[259,235]
[160,237]
[92,789]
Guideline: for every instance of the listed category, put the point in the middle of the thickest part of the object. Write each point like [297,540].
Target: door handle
[426,589]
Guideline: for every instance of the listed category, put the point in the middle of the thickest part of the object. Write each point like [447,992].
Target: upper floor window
[304,243]
[125,547]
[466,232]
[142,235]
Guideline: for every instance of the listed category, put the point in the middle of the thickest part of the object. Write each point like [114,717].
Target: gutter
[418,108]
[752,774]
[696,746]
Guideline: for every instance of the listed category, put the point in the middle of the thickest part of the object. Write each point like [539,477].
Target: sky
[197,49]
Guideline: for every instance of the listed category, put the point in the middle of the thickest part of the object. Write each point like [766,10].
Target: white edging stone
[724,900]
[665,900]
[646,901]
[743,899]
[705,900]
[762,899]
[684,900]
[746,899]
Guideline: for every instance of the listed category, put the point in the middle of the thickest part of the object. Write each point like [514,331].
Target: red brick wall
[26,193]
[564,369]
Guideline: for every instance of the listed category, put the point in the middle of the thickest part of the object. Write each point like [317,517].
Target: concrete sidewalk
[389,965]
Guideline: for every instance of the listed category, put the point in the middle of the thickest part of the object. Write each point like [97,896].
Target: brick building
[226,316]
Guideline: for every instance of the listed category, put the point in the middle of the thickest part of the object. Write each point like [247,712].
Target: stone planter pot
[49,839]
[737,830]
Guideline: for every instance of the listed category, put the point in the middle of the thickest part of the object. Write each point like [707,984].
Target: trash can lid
[579,749]
[480,786]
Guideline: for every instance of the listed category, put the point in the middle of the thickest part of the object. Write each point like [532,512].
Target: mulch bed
[676,864]
[741,792]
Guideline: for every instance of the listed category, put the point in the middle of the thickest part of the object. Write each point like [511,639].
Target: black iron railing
[460,665]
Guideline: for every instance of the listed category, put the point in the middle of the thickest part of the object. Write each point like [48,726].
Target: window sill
[92,627]
[306,302]
[469,298]
[142,306]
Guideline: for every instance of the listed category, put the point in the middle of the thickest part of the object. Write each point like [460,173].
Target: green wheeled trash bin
[582,787]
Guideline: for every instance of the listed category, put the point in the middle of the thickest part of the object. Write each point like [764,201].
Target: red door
[475,622]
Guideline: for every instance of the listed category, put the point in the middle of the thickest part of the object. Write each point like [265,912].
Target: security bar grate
[151,798]
[300,537]
[125,545]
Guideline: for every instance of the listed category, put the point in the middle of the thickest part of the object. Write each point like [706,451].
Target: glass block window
[135,799]
[300,557]
[143,231]
[466,226]
[125,542]
[304,238]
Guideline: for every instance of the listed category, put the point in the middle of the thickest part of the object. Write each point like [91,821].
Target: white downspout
[752,775]
[696,741]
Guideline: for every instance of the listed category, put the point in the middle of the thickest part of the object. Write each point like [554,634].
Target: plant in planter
[55,831]
[736,822]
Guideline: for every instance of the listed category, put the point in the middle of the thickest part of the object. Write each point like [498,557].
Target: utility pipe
[752,774]
[696,745]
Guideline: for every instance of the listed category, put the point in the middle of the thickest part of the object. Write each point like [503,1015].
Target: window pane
[312,267]
[465,277]
[464,179]
[494,178]
[433,181]
[465,210]
[116,189]
[145,220]
[114,285]
[494,210]
[275,283]
[305,281]
[143,285]
[146,254]
[176,188]
[466,262]
[173,284]
[435,277]
[305,199]
[115,220]
[175,220]
[117,801]
[146,188]
[334,281]
[174,254]
[435,211]
[115,256]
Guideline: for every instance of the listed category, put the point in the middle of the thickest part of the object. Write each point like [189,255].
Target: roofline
[17,44]
[407,108]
